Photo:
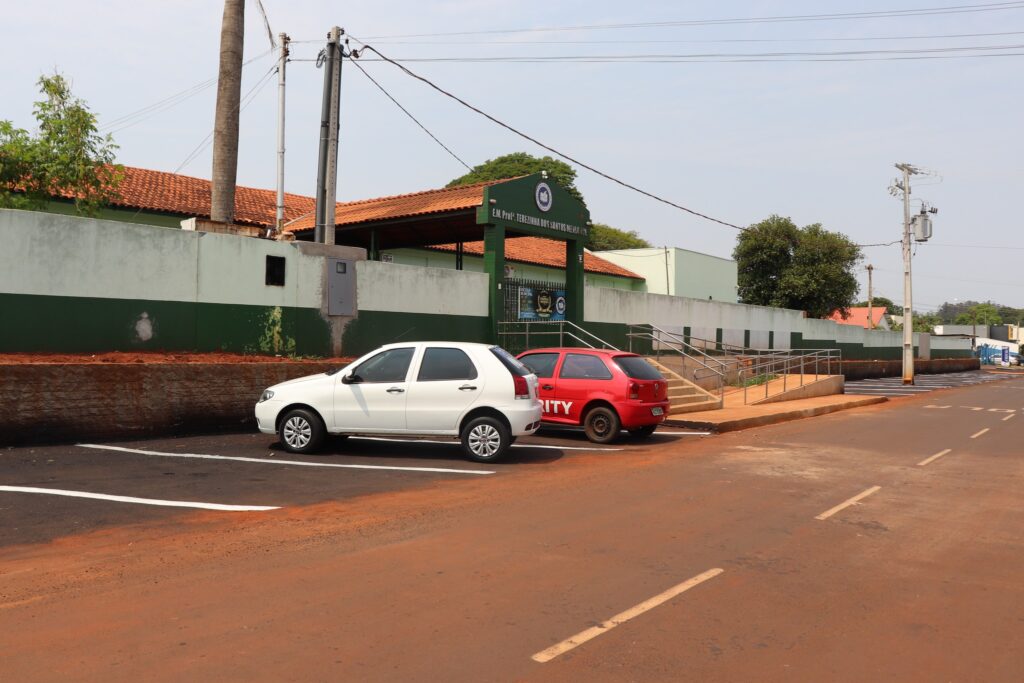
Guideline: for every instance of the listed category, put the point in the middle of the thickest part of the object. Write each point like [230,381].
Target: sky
[737,137]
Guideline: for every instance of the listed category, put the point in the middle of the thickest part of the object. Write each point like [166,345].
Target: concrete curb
[774,418]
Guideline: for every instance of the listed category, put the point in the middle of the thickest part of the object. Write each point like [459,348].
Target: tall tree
[225,129]
[763,255]
[66,157]
[880,302]
[809,269]
[519,164]
[604,237]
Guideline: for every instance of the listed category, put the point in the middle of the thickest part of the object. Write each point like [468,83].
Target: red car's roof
[573,349]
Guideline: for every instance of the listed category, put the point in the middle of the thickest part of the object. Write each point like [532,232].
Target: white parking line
[977,434]
[621,618]
[934,457]
[268,461]
[515,445]
[1008,417]
[847,503]
[140,501]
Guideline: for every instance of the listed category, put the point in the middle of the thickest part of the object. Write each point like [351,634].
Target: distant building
[858,317]
[680,272]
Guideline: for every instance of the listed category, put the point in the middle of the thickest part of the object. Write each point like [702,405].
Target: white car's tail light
[522,386]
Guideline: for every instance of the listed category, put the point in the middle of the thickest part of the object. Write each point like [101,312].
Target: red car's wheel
[602,425]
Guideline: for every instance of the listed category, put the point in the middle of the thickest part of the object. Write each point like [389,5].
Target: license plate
[656,411]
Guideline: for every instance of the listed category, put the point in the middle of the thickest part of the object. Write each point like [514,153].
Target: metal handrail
[784,364]
[663,338]
[561,332]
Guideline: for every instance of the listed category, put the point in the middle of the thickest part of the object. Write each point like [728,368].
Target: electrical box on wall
[341,287]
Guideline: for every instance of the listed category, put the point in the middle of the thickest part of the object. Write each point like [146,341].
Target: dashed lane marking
[621,618]
[934,457]
[140,501]
[268,461]
[1008,417]
[975,436]
[847,503]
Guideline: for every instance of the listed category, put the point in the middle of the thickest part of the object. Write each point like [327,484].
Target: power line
[730,56]
[877,14]
[138,116]
[826,39]
[544,146]
[415,120]
[242,104]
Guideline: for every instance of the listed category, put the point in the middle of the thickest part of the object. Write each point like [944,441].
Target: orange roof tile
[543,252]
[858,316]
[403,205]
[178,194]
[173,193]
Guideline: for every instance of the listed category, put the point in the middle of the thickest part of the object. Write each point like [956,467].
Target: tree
[225,130]
[520,164]
[604,237]
[809,268]
[881,302]
[923,322]
[66,157]
[980,314]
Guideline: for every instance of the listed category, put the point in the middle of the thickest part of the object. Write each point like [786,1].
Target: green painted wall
[374,328]
[146,217]
[86,324]
[861,352]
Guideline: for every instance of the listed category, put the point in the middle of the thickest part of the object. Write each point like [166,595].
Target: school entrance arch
[490,212]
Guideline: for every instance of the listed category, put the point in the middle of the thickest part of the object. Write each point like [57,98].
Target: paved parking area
[53,491]
[893,386]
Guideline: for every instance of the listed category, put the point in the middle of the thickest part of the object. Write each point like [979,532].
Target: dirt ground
[153,357]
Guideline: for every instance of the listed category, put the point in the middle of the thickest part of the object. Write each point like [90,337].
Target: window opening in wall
[275,271]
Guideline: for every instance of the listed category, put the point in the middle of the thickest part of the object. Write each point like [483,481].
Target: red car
[605,391]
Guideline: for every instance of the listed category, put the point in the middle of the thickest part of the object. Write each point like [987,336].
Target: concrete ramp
[785,388]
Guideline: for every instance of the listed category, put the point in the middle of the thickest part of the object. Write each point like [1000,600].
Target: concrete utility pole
[908,307]
[327,166]
[871,318]
[225,129]
[282,60]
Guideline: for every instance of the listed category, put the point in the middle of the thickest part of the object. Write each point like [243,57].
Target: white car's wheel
[301,431]
[485,439]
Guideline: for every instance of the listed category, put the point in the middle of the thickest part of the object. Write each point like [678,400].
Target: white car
[478,392]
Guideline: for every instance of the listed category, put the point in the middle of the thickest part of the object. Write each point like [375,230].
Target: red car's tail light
[634,391]
[522,387]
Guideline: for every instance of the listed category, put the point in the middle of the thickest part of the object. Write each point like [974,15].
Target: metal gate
[518,292]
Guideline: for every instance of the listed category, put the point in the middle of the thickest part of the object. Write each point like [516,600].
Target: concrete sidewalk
[732,418]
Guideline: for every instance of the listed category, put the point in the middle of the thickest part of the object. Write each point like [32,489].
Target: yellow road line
[848,503]
[593,632]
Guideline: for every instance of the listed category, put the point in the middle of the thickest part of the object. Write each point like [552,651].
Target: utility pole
[225,129]
[282,60]
[871,318]
[327,167]
[908,305]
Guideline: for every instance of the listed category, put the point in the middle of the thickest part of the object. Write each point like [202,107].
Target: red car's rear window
[636,367]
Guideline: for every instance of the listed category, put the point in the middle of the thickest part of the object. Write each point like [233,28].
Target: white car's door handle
[396,390]
[467,387]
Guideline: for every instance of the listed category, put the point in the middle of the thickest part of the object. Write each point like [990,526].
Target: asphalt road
[883,543]
[243,470]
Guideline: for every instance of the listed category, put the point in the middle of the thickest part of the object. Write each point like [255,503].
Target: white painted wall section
[411,289]
[55,255]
